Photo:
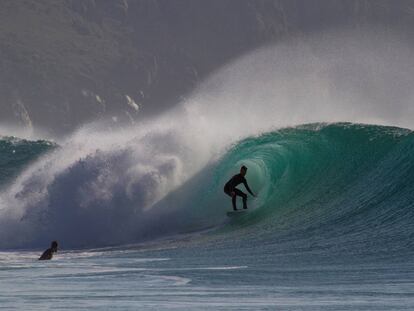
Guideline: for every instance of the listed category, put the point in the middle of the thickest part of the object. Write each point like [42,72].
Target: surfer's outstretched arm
[248,189]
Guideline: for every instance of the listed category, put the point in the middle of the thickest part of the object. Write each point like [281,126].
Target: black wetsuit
[230,187]
[47,254]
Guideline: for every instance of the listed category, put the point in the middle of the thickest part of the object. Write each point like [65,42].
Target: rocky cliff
[65,62]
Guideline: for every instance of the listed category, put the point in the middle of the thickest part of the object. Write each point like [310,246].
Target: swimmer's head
[54,246]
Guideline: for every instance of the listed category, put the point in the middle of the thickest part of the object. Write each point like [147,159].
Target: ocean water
[143,226]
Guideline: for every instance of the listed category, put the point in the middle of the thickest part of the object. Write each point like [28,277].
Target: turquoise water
[16,153]
[331,229]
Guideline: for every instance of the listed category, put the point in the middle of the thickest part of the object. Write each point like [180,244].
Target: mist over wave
[164,176]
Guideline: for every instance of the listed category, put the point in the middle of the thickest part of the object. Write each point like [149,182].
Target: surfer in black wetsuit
[48,254]
[231,190]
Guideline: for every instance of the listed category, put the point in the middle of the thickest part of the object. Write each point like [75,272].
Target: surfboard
[237,213]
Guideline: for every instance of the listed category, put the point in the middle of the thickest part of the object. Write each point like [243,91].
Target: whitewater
[323,125]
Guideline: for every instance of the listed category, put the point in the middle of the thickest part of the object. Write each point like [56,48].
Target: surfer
[231,190]
[48,254]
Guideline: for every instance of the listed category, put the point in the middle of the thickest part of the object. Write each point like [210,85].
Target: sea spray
[111,186]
